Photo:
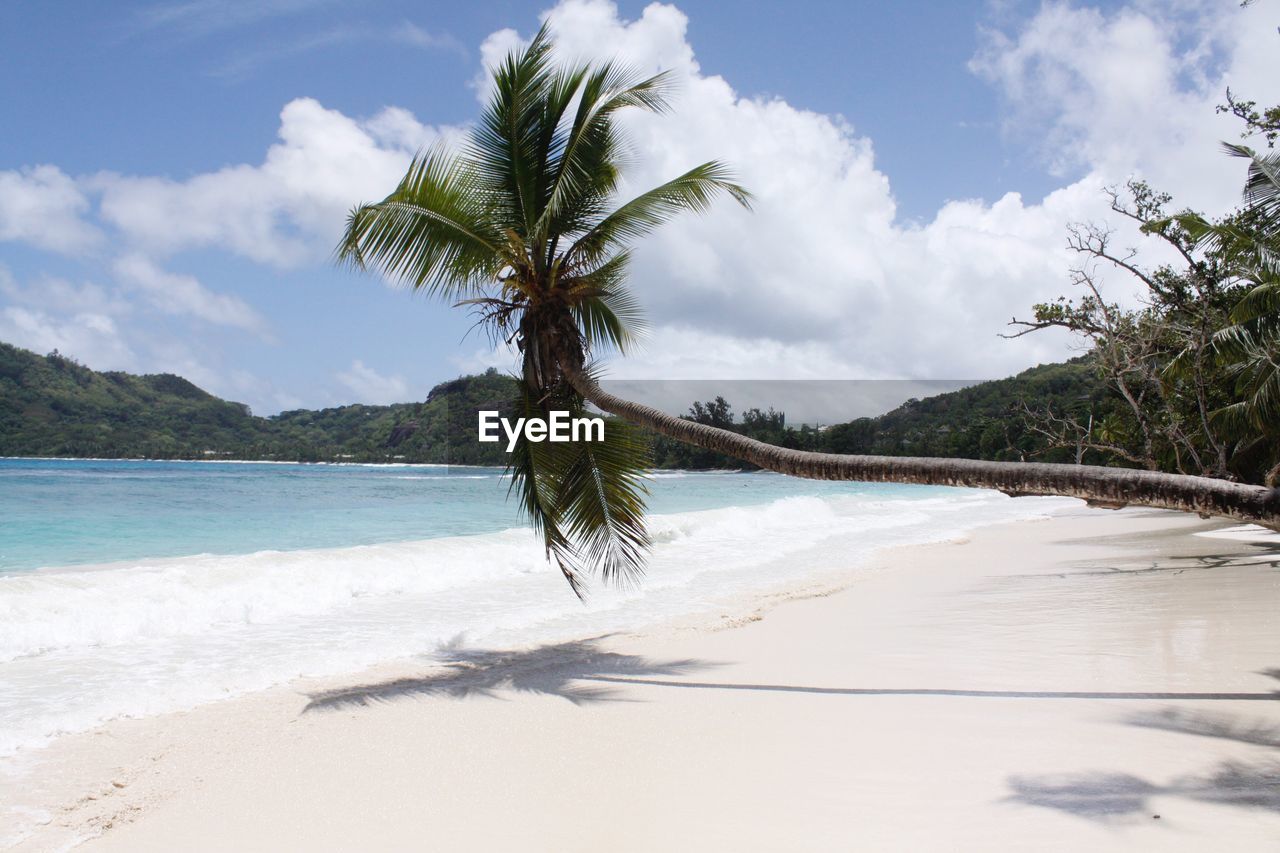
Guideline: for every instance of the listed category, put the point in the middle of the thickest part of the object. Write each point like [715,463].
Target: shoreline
[820,572]
[348,464]
[649,471]
[954,631]
[241,461]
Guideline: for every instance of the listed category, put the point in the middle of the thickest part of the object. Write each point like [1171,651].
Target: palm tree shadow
[1110,796]
[553,670]
[1254,553]
[1204,724]
[1192,555]
[1100,796]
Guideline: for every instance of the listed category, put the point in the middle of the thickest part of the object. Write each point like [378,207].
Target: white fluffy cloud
[79,320]
[105,329]
[286,211]
[370,386]
[822,279]
[45,207]
[92,338]
[1134,91]
[185,295]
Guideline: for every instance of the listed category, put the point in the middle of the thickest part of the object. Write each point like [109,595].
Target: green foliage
[1194,363]
[522,225]
[763,425]
[1248,348]
[52,406]
[990,420]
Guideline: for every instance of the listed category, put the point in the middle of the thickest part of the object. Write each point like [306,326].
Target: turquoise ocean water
[61,512]
[137,588]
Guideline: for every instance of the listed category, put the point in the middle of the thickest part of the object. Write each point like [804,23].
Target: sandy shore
[1096,681]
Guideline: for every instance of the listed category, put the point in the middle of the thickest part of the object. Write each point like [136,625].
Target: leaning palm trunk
[1111,487]
[522,223]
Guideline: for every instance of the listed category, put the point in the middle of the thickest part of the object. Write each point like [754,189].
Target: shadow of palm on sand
[566,669]
[1104,796]
[554,670]
[1109,796]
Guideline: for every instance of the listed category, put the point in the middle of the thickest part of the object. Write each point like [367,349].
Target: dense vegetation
[991,420]
[1194,369]
[52,406]
[1193,365]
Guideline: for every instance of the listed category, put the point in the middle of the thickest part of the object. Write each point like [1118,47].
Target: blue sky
[174,174]
[187,87]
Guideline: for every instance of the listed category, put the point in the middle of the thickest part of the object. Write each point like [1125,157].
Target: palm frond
[1232,342]
[1260,301]
[1233,420]
[431,232]
[1265,398]
[1250,354]
[607,313]
[1181,366]
[536,470]
[694,191]
[602,496]
[586,499]
[585,167]
[1249,251]
[610,320]
[1262,186]
[505,144]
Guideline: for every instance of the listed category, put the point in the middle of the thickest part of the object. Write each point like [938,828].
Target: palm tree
[521,226]
[518,225]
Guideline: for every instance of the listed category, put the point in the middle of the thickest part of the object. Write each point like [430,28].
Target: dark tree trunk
[1112,487]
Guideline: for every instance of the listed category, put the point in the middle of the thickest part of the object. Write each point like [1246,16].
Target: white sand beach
[1100,680]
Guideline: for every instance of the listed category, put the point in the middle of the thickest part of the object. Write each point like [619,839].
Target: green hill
[53,406]
[983,421]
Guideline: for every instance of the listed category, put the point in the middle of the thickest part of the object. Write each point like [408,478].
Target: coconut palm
[521,225]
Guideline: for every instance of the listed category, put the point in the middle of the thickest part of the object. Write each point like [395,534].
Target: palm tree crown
[522,225]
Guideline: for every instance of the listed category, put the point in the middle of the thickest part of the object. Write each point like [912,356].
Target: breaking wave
[84,645]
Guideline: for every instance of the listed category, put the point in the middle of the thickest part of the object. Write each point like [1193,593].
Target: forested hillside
[1030,416]
[52,406]
[1019,418]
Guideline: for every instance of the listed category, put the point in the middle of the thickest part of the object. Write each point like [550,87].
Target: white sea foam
[78,647]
